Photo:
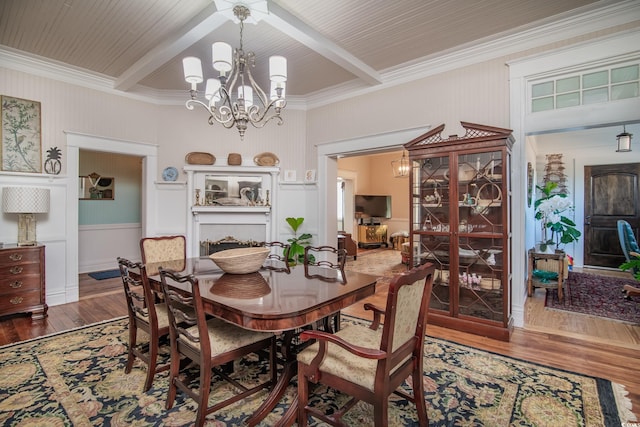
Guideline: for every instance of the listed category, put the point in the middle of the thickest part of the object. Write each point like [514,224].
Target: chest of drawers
[22,281]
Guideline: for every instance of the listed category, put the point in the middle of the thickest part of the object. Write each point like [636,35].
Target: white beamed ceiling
[139,45]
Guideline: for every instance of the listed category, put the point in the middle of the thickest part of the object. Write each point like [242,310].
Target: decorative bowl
[240,260]
[243,286]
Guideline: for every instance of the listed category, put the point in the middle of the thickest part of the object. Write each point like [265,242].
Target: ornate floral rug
[384,263]
[596,296]
[77,378]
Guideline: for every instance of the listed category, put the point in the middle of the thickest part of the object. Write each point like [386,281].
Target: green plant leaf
[294,223]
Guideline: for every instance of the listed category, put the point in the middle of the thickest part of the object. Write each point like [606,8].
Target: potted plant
[297,243]
[549,211]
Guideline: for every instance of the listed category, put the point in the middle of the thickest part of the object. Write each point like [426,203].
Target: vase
[545,248]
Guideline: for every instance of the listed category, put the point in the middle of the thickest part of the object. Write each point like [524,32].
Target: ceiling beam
[196,29]
[284,21]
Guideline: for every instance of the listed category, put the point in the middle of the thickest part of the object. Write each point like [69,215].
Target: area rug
[77,378]
[107,274]
[596,296]
[384,263]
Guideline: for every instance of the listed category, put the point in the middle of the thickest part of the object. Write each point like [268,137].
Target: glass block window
[595,86]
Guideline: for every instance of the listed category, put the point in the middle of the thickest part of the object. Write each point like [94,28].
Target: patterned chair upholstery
[145,313]
[210,344]
[370,363]
[170,251]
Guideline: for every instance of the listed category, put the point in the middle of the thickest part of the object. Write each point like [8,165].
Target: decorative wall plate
[266,159]
[170,174]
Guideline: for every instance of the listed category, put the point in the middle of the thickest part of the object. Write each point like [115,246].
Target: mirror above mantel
[96,187]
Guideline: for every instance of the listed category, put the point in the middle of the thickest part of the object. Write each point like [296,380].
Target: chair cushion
[344,364]
[161,313]
[225,336]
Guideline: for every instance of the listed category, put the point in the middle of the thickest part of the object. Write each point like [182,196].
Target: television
[373,206]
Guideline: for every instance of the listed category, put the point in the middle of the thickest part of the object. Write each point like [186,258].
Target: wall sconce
[401,167]
[624,141]
[25,201]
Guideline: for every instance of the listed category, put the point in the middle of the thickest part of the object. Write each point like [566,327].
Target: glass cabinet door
[480,239]
[432,223]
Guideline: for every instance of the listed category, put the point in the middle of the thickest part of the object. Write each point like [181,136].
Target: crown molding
[602,15]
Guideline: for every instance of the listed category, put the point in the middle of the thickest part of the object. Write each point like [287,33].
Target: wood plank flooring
[575,342]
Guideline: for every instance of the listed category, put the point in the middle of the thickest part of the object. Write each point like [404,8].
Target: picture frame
[310,175]
[20,135]
[289,175]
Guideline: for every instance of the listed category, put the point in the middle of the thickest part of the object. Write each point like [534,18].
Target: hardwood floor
[576,343]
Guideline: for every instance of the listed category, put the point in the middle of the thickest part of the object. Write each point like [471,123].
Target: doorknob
[587,220]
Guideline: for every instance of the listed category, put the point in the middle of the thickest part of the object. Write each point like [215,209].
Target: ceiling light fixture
[401,167]
[624,141]
[226,104]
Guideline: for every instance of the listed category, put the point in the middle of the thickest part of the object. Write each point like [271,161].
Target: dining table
[274,301]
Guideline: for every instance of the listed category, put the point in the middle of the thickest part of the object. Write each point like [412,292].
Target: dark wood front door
[611,193]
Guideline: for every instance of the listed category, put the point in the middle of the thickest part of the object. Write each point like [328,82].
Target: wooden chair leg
[153,362]
[132,342]
[203,396]
[381,413]
[174,371]
[303,399]
[418,396]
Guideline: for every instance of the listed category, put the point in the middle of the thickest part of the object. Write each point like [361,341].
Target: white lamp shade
[221,54]
[278,68]
[192,69]
[212,90]
[25,200]
[246,92]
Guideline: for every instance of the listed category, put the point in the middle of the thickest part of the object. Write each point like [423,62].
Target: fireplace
[215,222]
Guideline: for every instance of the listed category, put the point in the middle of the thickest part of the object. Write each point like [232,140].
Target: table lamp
[25,201]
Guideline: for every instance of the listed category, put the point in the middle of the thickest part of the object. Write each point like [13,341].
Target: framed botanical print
[21,148]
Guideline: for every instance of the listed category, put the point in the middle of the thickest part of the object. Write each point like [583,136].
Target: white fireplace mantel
[214,222]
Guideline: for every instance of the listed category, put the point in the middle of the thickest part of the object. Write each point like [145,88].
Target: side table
[533,282]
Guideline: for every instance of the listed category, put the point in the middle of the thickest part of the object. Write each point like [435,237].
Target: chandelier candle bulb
[246,93]
[212,90]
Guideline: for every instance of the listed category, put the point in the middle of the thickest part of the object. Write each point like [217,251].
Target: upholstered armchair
[370,363]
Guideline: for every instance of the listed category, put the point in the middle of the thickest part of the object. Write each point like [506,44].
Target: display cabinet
[460,221]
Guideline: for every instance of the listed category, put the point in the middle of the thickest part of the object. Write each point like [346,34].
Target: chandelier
[401,166]
[235,78]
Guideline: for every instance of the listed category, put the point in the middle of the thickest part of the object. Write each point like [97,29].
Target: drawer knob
[15,285]
[15,270]
[15,257]
[16,300]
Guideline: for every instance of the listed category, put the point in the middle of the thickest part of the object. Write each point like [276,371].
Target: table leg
[289,371]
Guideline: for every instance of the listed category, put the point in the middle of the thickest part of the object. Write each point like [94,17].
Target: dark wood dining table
[275,301]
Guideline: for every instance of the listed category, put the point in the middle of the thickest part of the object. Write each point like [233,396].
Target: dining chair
[172,250]
[210,344]
[326,263]
[144,314]
[370,363]
[278,258]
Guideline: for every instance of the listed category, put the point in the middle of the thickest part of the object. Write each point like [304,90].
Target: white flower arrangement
[549,210]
